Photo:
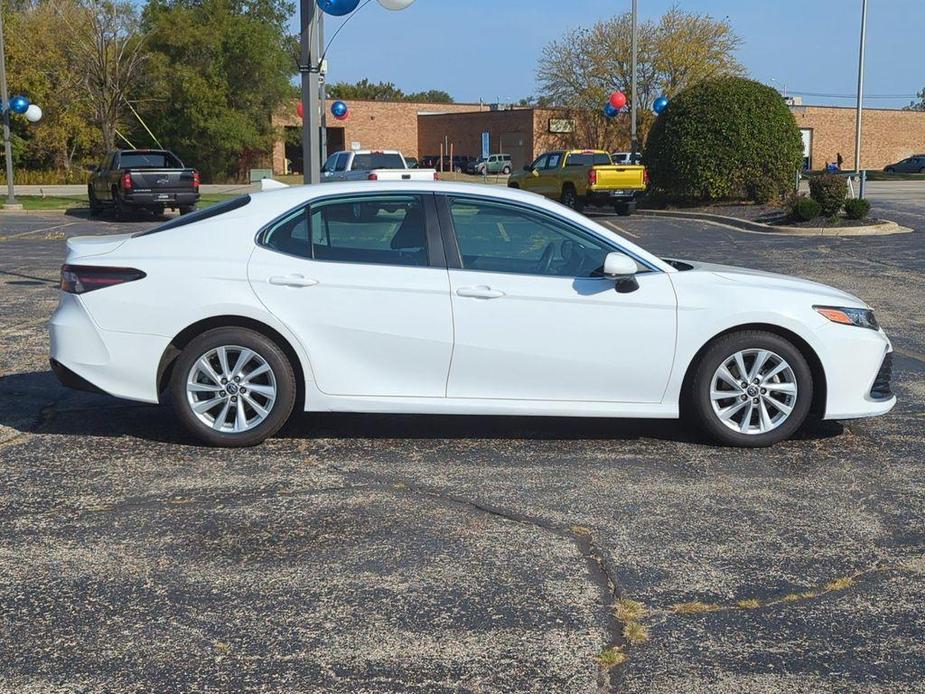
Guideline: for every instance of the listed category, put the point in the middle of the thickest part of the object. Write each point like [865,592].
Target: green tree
[725,137]
[917,105]
[384,91]
[218,70]
[580,70]
[430,96]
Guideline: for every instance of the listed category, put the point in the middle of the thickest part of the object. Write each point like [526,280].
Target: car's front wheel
[751,388]
[233,387]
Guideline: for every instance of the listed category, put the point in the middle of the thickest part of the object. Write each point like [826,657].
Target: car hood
[759,279]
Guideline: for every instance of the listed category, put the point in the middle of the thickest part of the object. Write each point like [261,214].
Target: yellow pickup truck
[582,177]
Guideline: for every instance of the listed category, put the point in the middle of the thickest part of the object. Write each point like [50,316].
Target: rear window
[599,159]
[377,160]
[148,160]
[215,210]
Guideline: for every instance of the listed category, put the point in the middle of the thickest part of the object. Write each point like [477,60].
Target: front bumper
[84,356]
[858,366]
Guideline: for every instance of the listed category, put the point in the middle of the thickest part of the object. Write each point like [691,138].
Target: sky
[489,49]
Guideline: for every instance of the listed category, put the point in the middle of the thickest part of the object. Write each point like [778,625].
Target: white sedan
[440,298]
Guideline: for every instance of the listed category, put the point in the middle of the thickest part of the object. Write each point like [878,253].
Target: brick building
[524,133]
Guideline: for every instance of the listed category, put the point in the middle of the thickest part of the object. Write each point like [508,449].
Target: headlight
[861,317]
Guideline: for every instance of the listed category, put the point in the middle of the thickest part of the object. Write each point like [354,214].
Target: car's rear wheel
[95,206]
[752,389]
[506,171]
[119,206]
[233,387]
[187,209]
[570,198]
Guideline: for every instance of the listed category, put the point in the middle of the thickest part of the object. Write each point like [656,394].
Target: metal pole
[634,140]
[8,149]
[857,132]
[323,96]
[311,147]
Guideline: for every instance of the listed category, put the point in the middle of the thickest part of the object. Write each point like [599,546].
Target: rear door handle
[292,281]
[480,292]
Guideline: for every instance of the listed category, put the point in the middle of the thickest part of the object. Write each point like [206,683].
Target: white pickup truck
[372,165]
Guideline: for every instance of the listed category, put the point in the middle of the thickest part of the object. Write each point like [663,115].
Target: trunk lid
[620,177]
[79,247]
[161,180]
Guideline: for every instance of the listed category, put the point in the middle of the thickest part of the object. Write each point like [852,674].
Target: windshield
[148,160]
[377,160]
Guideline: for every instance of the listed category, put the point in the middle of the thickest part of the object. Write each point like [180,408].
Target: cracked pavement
[397,553]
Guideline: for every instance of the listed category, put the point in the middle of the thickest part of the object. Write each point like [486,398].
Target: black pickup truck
[151,179]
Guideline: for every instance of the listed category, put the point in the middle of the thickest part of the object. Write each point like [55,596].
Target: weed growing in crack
[627,610]
[612,656]
[635,633]
[749,604]
[840,583]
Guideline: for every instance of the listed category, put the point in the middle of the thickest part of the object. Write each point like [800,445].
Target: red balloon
[343,117]
[618,100]
[300,110]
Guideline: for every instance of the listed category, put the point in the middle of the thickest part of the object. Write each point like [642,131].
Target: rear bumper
[153,199]
[85,357]
[604,198]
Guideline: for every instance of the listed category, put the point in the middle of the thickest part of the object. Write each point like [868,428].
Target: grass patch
[612,656]
[627,610]
[635,633]
[792,597]
[580,530]
[840,583]
[694,607]
[37,202]
[749,603]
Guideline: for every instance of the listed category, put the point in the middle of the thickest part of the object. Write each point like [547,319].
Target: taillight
[80,279]
[195,179]
[645,176]
[592,177]
[372,177]
[126,181]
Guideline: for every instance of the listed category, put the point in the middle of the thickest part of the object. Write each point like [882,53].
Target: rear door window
[377,160]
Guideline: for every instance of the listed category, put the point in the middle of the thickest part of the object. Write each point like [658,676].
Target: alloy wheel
[753,391]
[231,389]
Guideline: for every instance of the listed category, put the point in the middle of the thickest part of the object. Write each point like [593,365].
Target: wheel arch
[820,386]
[183,338]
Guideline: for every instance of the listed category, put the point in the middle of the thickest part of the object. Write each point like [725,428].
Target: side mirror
[528,168]
[622,270]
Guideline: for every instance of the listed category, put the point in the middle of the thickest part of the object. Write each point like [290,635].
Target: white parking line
[619,229]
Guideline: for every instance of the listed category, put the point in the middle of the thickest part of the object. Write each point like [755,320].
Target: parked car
[449,298]
[913,164]
[459,163]
[412,163]
[584,177]
[493,164]
[372,165]
[626,158]
[149,179]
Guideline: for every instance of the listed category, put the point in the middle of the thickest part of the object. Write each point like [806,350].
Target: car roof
[270,204]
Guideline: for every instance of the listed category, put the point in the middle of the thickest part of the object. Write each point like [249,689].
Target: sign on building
[561,126]
[486,145]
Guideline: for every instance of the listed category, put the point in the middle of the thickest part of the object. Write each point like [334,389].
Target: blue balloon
[660,104]
[19,104]
[338,8]
[610,111]
[339,109]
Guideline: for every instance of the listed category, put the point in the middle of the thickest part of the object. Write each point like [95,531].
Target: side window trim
[454,258]
[436,254]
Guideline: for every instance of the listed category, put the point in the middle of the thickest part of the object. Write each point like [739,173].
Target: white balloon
[33,113]
[395,4]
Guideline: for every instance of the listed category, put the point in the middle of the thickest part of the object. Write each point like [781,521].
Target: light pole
[5,105]
[311,95]
[857,132]
[634,140]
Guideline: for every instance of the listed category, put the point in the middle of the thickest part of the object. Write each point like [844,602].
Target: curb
[880,229]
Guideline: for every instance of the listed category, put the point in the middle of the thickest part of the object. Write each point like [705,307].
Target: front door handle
[479,292]
[292,281]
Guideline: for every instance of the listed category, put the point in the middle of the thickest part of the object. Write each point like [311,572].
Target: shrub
[805,209]
[857,208]
[763,191]
[719,138]
[830,191]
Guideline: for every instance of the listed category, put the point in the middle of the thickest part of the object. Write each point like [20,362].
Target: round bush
[830,191]
[857,208]
[805,209]
[724,138]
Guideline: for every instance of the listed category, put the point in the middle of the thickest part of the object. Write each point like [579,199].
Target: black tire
[513,185]
[95,205]
[187,209]
[723,349]
[625,209]
[922,170]
[119,206]
[571,199]
[506,171]
[282,372]
[889,169]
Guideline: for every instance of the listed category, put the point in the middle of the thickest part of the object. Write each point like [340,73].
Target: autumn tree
[580,70]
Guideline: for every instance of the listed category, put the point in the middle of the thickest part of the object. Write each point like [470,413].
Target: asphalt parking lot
[398,553]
